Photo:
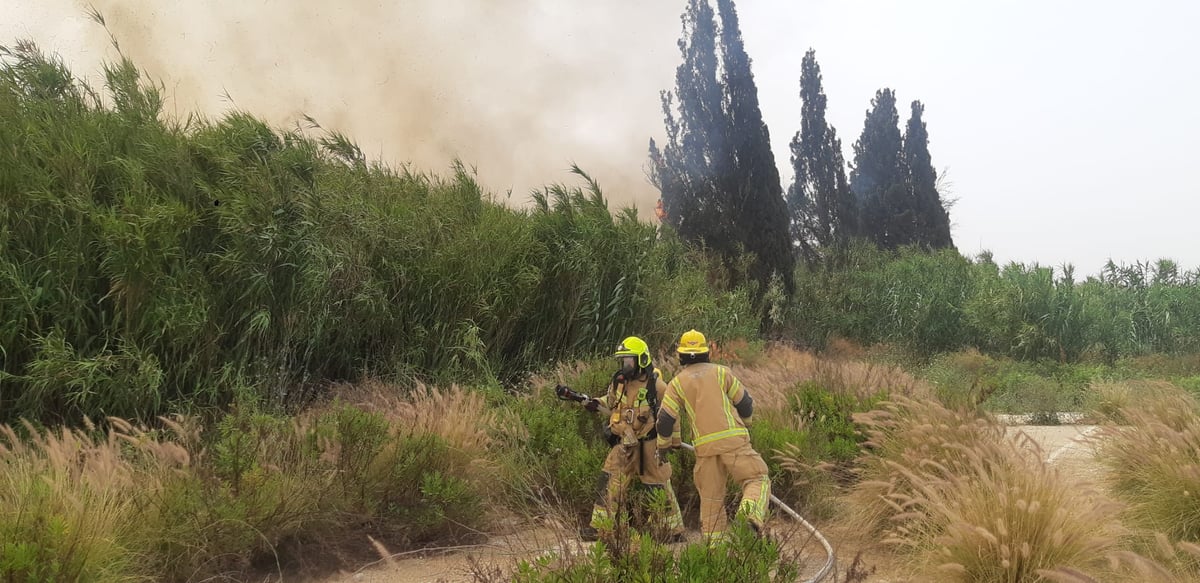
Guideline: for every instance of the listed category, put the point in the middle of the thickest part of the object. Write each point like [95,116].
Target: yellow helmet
[693,342]
[636,347]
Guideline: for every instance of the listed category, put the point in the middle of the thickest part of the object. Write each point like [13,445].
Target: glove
[612,438]
[562,392]
[592,405]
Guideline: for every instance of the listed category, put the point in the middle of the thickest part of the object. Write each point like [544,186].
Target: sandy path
[1068,447]
[457,564]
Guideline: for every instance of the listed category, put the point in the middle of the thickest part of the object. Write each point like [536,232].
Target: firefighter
[720,409]
[632,406]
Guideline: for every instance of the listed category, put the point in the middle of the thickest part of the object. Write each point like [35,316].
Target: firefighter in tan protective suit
[719,408]
[631,405]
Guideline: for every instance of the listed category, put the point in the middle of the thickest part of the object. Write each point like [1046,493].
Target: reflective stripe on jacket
[707,392]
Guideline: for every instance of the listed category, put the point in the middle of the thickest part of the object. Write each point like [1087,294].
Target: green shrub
[1190,384]
[834,435]
[561,459]
[970,379]
[263,481]
[963,379]
[811,447]
[44,539]
[937,302]
[773,438]
[122,230]
[744,558]
[418,491]
[360,436]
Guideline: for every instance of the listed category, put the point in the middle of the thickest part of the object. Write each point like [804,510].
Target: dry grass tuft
[843,349]
[908,433]
[1154,463]
[72,500]
[971,505]
[125,503]
[1014,515]
[462,417]
[782,368]
[1110,399]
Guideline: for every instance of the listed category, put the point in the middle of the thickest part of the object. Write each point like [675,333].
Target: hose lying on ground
[830,557]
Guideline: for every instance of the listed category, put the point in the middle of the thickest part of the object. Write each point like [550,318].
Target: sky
[1065,129]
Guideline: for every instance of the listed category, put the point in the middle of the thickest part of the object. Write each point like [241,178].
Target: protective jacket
[717,404]
[634,404]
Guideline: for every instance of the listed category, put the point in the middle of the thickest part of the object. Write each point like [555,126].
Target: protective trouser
[620,467]
[749,471]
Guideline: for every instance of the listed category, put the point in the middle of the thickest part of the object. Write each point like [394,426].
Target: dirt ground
[1066,446]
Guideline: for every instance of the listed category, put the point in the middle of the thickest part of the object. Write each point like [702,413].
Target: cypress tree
[717,174]
[759,210]
[878,178]
[823,210]
[932,221]
[687,168]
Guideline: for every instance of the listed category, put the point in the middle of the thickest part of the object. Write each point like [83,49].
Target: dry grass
[1167,365]
[474,430]
[781,368]
[968,504]
[72,501]
[843,349]
[125,503]
[1154,462]
[460,416]
[1111,399]
[909,433]
[1012,516]
[1173,563]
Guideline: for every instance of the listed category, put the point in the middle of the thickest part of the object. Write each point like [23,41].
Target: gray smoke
[520,89]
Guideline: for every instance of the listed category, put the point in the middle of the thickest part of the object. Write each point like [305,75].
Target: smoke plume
[519,89]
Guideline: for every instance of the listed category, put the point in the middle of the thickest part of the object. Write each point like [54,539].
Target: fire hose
[830,557]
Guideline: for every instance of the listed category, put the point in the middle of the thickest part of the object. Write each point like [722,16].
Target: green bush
[71,505]
[936,302]
[773,439]
[263,481]
[744,558]
[1190,384]
[872,296]
[122,230]
[253,486]
[810,448]
[561,460]
[970,379]
[963,379]
[417,491]
[833,435]
[361,436]
[44,543]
